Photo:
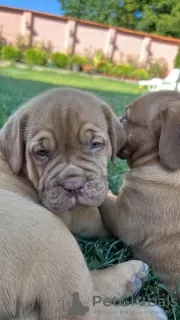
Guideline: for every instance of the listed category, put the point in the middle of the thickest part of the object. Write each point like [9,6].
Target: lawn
[16,87]
[82,80]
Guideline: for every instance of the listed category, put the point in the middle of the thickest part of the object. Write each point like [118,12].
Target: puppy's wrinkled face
[144,122]
[68,137]
[67,152]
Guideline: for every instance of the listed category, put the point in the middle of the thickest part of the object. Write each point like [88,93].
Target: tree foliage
[155,16]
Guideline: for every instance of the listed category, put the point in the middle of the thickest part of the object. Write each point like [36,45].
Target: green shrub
[177,59]
[157,68]
[97,58]
[140,74]
[122,70]
[126,70]
[117,70]
[35,56]
[60,60]
[78,60]
[104,67]
[10,53]
[1,46]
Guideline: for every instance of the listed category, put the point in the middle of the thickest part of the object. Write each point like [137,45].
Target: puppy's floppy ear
[116,132]
[169,143]
[12,140]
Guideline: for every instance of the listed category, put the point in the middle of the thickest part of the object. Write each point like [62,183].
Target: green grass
[83,81]
[16,87]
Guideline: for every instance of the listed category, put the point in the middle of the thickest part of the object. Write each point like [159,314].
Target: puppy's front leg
[86,222]
[115,213]
[120,281]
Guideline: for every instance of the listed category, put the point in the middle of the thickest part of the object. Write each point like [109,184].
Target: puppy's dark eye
[96,146]
[42,153]
[123,119]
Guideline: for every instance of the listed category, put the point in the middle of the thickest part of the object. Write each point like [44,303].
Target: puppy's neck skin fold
[149,168]
[138,160]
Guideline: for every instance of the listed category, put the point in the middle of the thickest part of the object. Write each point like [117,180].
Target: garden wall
[83,37]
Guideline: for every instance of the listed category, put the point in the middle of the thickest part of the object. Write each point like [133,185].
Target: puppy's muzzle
[65,188]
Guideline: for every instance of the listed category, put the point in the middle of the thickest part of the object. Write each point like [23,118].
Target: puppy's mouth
[59,200]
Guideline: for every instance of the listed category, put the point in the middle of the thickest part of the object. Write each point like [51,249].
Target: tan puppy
[55,148]
[145,215]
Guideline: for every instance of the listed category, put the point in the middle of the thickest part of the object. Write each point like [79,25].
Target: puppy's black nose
[72,184]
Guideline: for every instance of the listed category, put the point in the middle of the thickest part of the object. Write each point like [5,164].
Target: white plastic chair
[171,82]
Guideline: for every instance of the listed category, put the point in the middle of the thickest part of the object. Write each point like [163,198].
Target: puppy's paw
[139,271]
[159,313]
[122,280]
[131,276]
